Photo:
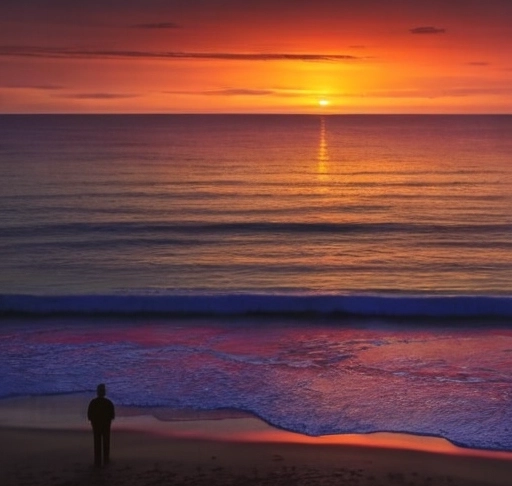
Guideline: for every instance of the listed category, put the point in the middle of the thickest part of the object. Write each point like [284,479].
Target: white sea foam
[315,376]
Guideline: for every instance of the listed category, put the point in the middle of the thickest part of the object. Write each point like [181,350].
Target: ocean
[330,274]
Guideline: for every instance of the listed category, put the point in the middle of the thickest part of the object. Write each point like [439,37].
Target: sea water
[329,273]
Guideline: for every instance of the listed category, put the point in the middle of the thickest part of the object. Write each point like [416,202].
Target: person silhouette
[100,413]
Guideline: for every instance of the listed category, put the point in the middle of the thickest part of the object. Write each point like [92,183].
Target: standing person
[101,412]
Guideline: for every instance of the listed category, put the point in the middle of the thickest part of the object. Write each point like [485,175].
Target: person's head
[101,390]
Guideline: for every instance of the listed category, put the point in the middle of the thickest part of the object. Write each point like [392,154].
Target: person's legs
[106,444]
[97,445]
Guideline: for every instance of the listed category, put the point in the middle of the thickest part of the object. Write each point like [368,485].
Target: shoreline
[47,441]
[66,412]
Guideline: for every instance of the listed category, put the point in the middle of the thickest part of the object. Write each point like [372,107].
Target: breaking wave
[246,304]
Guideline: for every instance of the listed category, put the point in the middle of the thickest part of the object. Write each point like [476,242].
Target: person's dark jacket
[101,411]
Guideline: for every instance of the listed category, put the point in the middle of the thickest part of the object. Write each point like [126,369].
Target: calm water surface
[102,204]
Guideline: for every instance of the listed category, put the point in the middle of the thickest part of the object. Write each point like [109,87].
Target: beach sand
[46,441]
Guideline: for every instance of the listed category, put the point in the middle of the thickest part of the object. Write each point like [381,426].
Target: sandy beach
[46,441]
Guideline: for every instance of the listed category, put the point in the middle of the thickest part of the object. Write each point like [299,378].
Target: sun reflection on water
[323,153]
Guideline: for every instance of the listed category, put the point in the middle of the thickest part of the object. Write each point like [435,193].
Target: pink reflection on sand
[251,429]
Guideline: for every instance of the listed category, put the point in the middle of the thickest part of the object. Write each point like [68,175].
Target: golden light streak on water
[323,153]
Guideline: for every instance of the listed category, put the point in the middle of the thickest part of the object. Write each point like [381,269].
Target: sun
[324,102]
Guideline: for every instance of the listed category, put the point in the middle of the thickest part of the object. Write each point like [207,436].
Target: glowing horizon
[274,57]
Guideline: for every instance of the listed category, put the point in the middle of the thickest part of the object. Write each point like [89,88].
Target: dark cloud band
[50,52]
[159,25]
[96,96]
[240,92]
[282,93]
[427,30]
[40,87]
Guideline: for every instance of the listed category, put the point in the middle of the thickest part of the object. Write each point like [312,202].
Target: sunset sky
[266,56]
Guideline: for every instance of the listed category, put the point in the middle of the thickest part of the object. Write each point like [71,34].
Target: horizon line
[247,114]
